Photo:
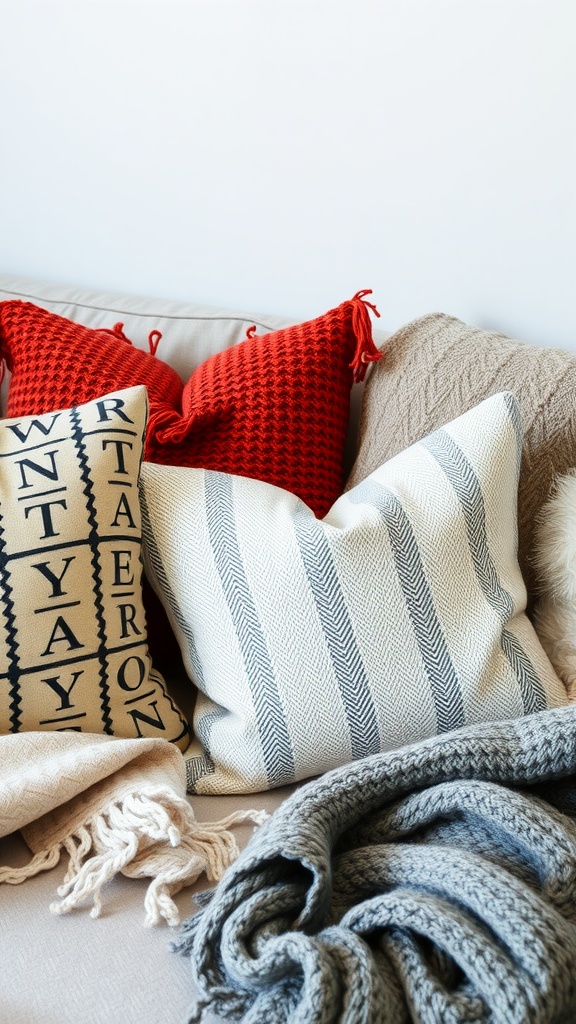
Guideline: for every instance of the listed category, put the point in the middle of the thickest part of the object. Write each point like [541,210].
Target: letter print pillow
[73,650]
[314,643]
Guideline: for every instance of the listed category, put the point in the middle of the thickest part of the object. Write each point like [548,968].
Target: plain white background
[277,155]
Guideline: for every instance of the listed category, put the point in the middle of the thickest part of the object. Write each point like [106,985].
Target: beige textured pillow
[438,367]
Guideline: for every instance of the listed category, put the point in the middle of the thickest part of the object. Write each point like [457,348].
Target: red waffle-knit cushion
[274,407]
[56,364]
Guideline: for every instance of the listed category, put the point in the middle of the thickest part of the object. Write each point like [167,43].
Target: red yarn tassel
[366,351]
[116,332]
[250,332]
[167,426]
[153,340]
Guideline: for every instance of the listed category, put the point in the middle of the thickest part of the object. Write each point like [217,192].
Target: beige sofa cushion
[436,368]
[190,332]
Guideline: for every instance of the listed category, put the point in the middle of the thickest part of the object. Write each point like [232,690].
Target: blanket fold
[112,805]
[436,883]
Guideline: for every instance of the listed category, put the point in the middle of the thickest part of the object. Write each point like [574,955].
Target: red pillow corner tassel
[116,332]
[167,426]
[153,341]
[366,351]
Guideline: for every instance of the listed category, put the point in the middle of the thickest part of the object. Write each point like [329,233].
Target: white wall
[280,155]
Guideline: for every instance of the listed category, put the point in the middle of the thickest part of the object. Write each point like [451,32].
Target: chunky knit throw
[274,407]
[436,883]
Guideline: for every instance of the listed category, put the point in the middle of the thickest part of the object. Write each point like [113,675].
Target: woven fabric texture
[73,645]
[438,367]
[435,883]
[314,643]
[275,407]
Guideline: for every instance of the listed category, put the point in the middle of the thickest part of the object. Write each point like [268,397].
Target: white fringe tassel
[149,834]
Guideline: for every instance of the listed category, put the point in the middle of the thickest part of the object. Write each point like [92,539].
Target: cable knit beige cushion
[436,368]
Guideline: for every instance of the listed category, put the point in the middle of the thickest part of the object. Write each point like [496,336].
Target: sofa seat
[75,970]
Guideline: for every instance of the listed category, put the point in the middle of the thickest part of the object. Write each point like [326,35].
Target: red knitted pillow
[274,407]
[56,364]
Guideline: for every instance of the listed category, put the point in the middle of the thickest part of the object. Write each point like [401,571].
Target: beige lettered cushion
[73,648]
[438,367]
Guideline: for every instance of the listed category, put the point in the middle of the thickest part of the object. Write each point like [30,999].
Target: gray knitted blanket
[436,883]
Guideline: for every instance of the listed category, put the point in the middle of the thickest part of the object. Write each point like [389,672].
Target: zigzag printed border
[93,540]
[15,699]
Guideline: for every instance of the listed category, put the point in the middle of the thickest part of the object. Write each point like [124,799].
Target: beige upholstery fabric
[436,368]
[190,332]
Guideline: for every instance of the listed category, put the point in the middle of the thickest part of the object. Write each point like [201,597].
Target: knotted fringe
[152,833]
[366,351]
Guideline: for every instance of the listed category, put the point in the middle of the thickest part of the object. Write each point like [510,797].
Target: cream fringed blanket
[113,805]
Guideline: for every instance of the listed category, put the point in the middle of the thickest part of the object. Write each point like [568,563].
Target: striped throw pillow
[313,643]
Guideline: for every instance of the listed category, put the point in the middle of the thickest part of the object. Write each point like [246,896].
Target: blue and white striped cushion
[398,616]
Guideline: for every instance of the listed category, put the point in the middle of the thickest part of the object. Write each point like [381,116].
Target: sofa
[434,372]
[122,986]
